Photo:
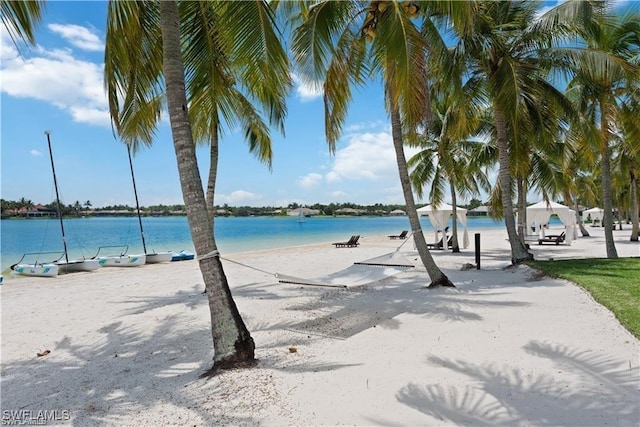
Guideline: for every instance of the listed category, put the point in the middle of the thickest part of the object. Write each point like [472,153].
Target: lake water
[233,234]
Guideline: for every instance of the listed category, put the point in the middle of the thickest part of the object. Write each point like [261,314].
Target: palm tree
[136,79]
[630,157]
[217,98]
[604,73]
[506,48]
[447,156]
[578,167]
[343,44]
[25,204]
[233,344]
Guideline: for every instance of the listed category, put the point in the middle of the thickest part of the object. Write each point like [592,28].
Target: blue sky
[58,86]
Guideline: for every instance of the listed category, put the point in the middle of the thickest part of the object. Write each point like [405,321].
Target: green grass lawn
[614,283]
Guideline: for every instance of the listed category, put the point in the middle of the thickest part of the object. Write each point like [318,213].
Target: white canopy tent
[439,216]
[538,214]
[594,214]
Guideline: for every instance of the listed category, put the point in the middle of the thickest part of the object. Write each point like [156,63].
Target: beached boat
[151,257]
[121,259]
[182,256]
[30,265]
[64,264]
[154,258]
[39,270]
[78,265]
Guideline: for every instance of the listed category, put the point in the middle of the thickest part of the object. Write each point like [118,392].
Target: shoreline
[233,235]
[504,347]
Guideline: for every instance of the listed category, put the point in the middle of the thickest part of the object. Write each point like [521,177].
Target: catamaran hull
[122,261]
[38,270]
[156,258]
[79,265]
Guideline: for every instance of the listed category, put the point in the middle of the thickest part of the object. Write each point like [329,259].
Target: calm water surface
[86,235]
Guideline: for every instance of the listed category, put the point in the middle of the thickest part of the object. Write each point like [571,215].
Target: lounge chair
[439,244]
[552,238]
[351,243]
[402,235]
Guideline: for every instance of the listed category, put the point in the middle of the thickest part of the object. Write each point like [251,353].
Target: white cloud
[339,194]
[310,180]
[35,153]
[307,92]
[367,156]
[363,127]
[80,37]
[90,115]
[238,198]
[58,78]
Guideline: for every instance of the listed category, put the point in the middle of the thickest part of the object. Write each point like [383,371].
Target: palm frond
[20,18]
[133,69]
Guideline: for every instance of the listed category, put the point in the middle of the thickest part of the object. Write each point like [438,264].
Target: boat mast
[135,192]
[55,184]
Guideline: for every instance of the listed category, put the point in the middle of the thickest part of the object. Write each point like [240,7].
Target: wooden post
[477,238]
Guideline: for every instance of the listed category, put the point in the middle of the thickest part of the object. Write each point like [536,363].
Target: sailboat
[62,264]
[67,266]
[151,257]
[301,215]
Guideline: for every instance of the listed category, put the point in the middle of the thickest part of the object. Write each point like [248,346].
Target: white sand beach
[505,347]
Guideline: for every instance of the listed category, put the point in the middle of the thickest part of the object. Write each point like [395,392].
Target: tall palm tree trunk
[522,208]
[519,252]
[455,246]
[438,278]
[583,230]
[232,342]
[213,172]
[634,206]
[606,185]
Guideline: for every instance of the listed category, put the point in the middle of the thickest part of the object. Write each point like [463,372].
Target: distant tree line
[25,207]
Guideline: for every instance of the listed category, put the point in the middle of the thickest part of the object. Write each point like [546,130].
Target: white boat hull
[39,270]
[122,260]
[156,258]
[78,265]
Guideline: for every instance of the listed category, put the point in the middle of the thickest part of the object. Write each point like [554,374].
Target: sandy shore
[506,347]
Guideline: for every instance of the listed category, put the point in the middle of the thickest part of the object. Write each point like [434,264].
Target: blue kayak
[182,256]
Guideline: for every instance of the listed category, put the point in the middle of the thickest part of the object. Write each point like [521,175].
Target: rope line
[251,267]
[405,241]
[214,253]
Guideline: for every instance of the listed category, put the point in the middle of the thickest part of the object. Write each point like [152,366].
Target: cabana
[439,216]
[539,214]
[594,214]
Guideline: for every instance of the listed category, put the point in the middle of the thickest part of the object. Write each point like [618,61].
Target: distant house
[305,212]
[479,211]
[397,212]
[349,211]
[35,211]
